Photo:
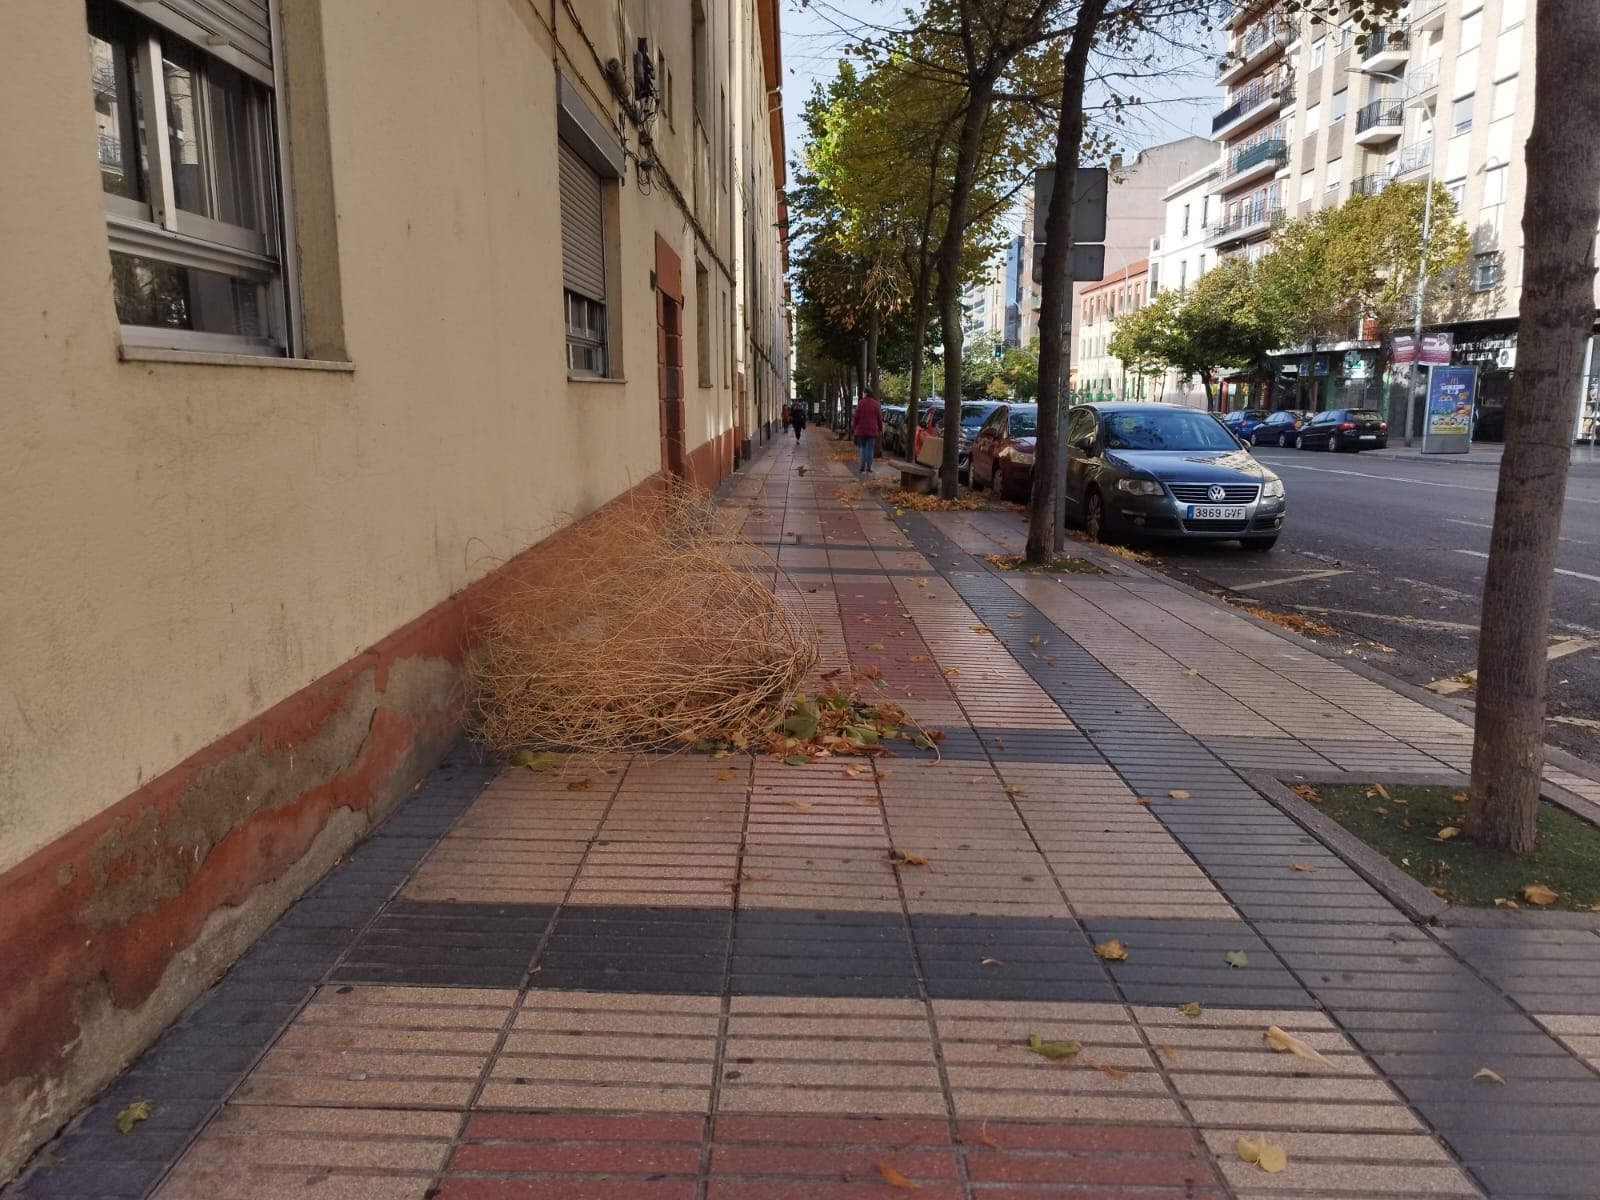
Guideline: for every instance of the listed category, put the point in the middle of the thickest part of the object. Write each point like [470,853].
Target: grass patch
[1404,824]
[1061,564]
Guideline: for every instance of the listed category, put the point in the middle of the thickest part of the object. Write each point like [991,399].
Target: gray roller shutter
[237,31]
[583,254]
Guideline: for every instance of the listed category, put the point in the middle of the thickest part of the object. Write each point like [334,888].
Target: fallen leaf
[1191,671]
[1106,1069]
[1269,1156]
[894,1179]
[724,776]
[1054,1051]
[1012,790]
[1014,616]
[1112,950]
[1460,797]
[1302,867]
[871,800]
[991,962]
[1306,792]
[1537,893]
[1378,789]
[1191,1009]
[797,760]
[875,646]
[1448,832]
[986,1140]
[1168,1051]
[1035,640]
[802,805]
[1279,1040]
[1142,800]
[1491,1076]
[1381,811]
[899,858]
[1236,958]
[132,1114]
[1179,795]
[544,760]
[981,629]
[1502,902]
[578,785]
[951,671]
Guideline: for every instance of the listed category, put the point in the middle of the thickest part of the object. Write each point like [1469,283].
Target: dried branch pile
[652,627]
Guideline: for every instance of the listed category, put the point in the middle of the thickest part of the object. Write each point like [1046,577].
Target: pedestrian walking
[797,418]
[784,416]
[868,428]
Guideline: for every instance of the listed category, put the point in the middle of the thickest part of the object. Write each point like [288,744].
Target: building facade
[983,303]
[1100,374]
[319,318]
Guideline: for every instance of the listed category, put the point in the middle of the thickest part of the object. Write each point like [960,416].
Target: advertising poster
[1436,348]
[1450,400]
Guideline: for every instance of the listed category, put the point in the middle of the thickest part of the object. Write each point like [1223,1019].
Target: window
[664,97]
[583,264]
[1185,220]
[1308,185]
[1505,99]
[186,145]
[1319,52]
[1485,272]
[1512,12]
[1347,31]
[1494,185]
[1183,275]
[702,323]
[1205,211]
[701,65]
[1458,192]
[1461,114]
[1313,118]
[1341,100]
[1472,31]
[1202,264]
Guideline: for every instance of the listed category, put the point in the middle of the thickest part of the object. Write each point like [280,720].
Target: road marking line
[1558,570]
[1459,487]
[1474,524]
[1403,620]
[1303,577]
[1560,648]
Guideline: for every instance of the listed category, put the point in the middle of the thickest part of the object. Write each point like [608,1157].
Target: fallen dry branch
[652,627]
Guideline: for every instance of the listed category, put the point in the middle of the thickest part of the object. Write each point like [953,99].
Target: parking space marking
[1560,648]
[1303,577]
[1434,483]
[1558,570]
[1400,618]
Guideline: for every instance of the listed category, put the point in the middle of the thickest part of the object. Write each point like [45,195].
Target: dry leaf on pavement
[1537,893]
[1179,795]
[1191,1009]
[579,785]
[1054,1051]
[1448,832]
[1145,800]
[1378,789]
[899,858]
[132,1114]
[802,805]
[1236,958]
[986,1140]
[1306,792]
[1191,671]
[1108,1070]
[1269,1156]
[1491,1076]
[1279,1040]
[1301,867]
[981,629]
[991,962]
[727,775]
[894,1179]
[1113,950]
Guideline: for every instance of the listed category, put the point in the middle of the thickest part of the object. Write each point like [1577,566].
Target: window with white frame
[1458,192]
[1319,51]
[1472,31]
[1512,12]
[1504,103]
[1485,272]
[1341,103]
[583,264]
[1494,184]
[186,141]
[1313,118]
[1461,114]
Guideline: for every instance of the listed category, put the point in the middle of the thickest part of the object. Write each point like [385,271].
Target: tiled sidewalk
[701,979]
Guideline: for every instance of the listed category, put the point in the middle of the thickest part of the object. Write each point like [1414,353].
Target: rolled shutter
[237,31]
[583,254]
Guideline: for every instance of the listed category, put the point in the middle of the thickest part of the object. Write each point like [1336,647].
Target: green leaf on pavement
[1054,1051]
[542,760]
[1191,1009]
[1236,958]
[797,760]
[136,1111]
[802,722]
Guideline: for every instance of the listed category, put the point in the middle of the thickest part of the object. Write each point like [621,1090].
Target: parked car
[1175,472]
[929,415]
[894,427]
[973,414]
[1344,429]
[1280,427]
[1002,451]
[1243,422]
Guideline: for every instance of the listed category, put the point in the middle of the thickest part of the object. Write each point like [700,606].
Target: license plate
[1216,512]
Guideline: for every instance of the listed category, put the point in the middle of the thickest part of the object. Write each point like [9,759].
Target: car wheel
[997,482]
[1259,543]
[1094,517]
[1332,443]
[1299,441]
[1283,440]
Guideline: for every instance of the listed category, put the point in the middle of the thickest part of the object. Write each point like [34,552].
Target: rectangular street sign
[1085,264]
[1088,203]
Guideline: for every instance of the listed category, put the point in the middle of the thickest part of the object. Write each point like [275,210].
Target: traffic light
[999,351]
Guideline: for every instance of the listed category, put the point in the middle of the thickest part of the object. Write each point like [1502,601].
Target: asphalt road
[1390,551]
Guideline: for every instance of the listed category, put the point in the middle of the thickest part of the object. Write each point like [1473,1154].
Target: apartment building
[983,303]
[318,319]
[1443,93]
[1100,374]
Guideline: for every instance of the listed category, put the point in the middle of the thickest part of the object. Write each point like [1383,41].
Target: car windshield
[1022,422]
[1255,414]
[1364,414]
[973,415]
[1166,429]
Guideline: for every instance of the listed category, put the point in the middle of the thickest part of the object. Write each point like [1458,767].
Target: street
[1391,550]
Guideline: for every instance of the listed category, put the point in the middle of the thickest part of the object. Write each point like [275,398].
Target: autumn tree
[1558,303]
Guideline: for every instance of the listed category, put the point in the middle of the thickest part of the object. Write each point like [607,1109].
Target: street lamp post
[1422,270]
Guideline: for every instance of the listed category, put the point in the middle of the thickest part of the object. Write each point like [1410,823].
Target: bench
[914,477]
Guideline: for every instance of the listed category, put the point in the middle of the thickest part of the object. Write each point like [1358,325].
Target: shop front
[1348,375]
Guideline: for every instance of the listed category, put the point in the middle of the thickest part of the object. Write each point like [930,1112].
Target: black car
[1344,429]
[894,427]
[1280,427]
[1167,470]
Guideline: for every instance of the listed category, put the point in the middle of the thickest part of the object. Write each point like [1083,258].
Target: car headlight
[1140,487]
[1023,458]
[1273,490]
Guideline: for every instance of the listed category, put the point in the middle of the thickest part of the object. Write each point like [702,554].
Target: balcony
[1252,221]
[1369,185]
[1238,10]
[1257,46]
[1286,93]
[1422,85]
[1418,156]
[1252,162]
[1385,48]
[1427,15]
[1254,102]
[1380,121]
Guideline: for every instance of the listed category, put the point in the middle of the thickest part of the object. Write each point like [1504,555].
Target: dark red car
[1002,451]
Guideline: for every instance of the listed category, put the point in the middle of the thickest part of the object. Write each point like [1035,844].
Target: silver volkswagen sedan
[1167,471]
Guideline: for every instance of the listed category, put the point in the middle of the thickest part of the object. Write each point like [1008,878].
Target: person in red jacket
[868,428]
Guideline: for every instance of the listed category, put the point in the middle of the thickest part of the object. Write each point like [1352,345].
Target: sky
[1179,99]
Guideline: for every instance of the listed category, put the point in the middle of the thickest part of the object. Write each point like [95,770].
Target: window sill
[601,379]
[207,358]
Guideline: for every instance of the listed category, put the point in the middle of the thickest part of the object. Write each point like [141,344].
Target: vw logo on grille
[1217,492]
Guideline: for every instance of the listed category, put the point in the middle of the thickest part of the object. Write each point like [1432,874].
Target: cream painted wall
[187,544]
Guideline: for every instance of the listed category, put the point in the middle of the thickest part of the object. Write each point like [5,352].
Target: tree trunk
[919,337]
[874,375]
[1561,213]
[1205,382]
[1055,293]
